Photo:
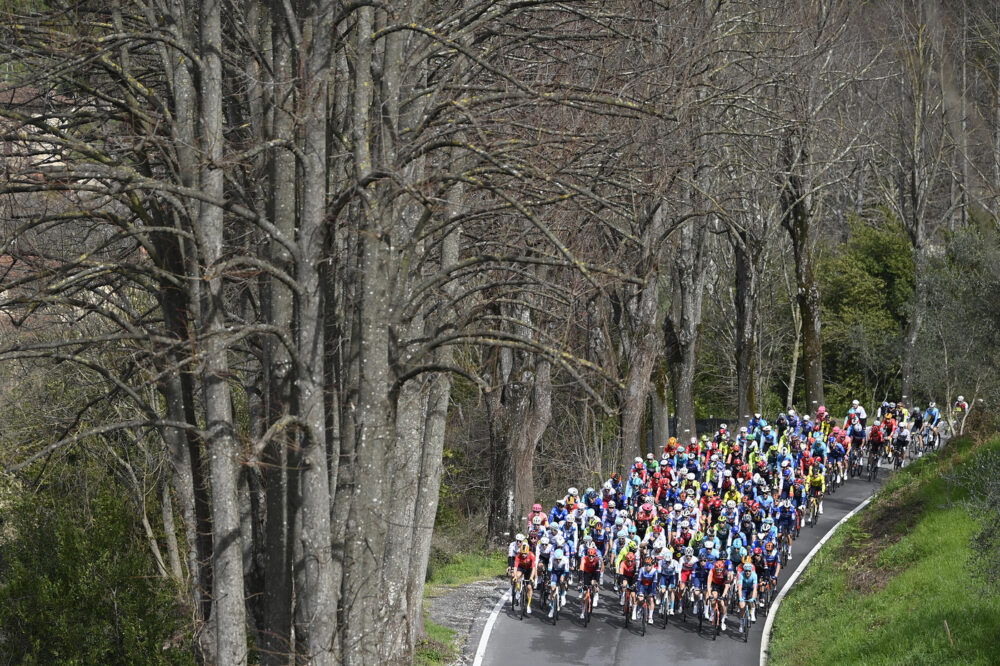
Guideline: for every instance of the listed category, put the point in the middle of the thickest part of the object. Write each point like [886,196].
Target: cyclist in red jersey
[591,566]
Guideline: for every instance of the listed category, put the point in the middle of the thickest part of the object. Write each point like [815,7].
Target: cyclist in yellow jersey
[816,483]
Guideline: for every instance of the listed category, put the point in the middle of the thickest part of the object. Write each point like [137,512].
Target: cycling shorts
[645,590]
[685,575]
[746,593]
[590,577]
[717,587]
[555,575]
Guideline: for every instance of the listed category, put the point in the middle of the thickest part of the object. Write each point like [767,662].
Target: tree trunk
[660,409]
[747,280]
[682,326]
[796,207]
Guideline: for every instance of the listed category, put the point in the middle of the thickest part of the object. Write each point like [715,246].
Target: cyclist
[932,416]
[901,442]
[558,568]
[591,568]
[627,572]
[817,484]
[747,582]
[647,583]
[669,567]
[538,512]
[858,411]
[785,523]
[718,586]
[961,406]
[526,565]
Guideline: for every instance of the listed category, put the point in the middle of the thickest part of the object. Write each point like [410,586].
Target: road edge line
[765,640]
[488,629]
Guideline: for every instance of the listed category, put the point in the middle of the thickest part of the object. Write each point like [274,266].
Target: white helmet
[932,405]
[722,427]
[678,506]
[731,504]
[544,541]
[573,491]
[728,472]
[743,430]
[694,440]
[638,460]
[608,486]
[571,519]
[690,476]
[537,520]
[767,428]
[560,540]
[756,415]
[806,418]
[961,398]
[855,403]
[518,537]
[791,412]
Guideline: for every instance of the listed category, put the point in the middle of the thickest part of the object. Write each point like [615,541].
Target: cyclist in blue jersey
[747,584]
[646,585]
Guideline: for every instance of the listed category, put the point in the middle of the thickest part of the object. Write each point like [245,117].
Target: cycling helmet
[518,537]
[573,491]
[630,556]
[786,463]
[571,519]
[591,492]
[558,554]
[805,417]
[632,529]
[756,415]
[821,410]
[525,548]
[731,504]
[560,541]
[690,476]
[648,561]
[728,472]
[743,430]
[767,428]
[678,506]
[769,521]
[537,520]
[591,513]
[769,546]
[961,398]
[748,569]
[588,539]
[689,551]
[611,504]
[932,405]
[855,403]
[757,550]
[622,534]
[591,552]
[560,502]
[544,541]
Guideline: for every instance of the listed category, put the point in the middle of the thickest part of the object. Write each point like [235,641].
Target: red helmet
[630,557]
[656,476]
[736,448]
[761,464]
[591,552]
[647,507]
[719,564]
[757,550]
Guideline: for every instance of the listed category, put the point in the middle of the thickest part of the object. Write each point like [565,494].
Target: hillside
[892,586]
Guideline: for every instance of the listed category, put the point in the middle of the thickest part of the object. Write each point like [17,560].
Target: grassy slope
[440,645]
[882,588]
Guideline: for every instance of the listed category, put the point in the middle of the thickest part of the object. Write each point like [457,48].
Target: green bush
[77,583]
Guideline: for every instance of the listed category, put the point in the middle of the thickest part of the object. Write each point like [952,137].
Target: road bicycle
[872,466]
[745,621]
[645,612]
[588,603]
[714,608]
[784,546]
[627,606]
[555,599]
[813,511]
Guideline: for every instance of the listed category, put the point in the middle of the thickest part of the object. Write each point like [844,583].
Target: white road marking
[766,636]
[485,638]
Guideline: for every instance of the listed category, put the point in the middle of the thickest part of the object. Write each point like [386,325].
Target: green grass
[462,568]
[883,587]
[446,570]
[439,646]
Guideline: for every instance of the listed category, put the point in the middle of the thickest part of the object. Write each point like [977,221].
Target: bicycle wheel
[513,596]
[642,618]
[587,607]
[524,601]
[745,624]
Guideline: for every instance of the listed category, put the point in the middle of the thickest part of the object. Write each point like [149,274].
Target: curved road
[606,641]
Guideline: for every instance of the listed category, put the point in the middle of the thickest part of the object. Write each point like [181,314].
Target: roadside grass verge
[883,587]
[440,646]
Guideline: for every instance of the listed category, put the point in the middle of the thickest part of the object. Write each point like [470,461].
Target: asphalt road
[535,640]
